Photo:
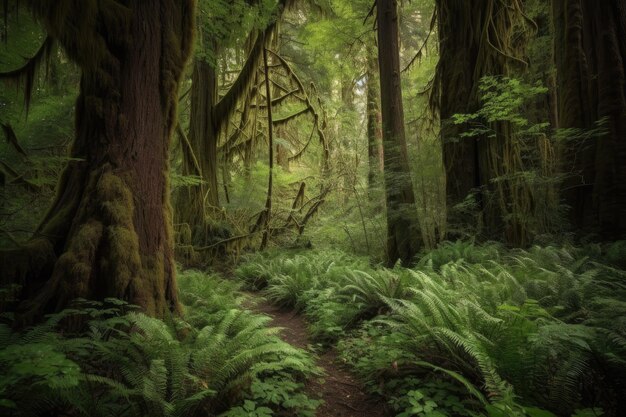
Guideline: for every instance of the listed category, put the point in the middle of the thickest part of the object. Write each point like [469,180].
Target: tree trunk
[109,231]
[374,130]
[192,201]
[576,110]
[609,21]
[208,118]
[348,170]
[282,153]
[590,54]
[270,138]
[459,53]
[468,34]
[402,230]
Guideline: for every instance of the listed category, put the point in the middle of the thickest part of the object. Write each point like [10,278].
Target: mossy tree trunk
[267,217]
[193,203]
[209,116]
[479,38]
[402,229]
[590,53]
[109,230]
[280,132]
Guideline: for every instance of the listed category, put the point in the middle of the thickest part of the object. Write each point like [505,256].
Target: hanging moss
[25,75]
[480,38]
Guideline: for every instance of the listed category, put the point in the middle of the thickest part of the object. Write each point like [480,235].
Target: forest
[313,208]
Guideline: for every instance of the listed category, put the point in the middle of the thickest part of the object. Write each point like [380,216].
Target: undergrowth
[107,359]
[472,330]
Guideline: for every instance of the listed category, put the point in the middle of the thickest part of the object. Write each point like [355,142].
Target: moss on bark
[109,231]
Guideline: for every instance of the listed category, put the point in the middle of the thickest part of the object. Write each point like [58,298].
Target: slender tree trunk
[270,135]
[374,122]
[193,203]
[348,170]
[590,54]
[402,230]
[282,152]
[109,230]
[197,204]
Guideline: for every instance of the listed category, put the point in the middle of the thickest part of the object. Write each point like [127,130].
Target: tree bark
[590,53]
[194,202]
[270,139]
[468,34]
[208,118]
[576,110]
[282,152]
[459,52]
[374,123]
[402,229]
[109,230]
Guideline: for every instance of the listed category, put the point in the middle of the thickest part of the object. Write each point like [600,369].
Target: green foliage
[503,100]
[467,251]
[23,37]
[249,409]
[330,286]
[29,169]
[222,23]
[120,362]
[280,391]
[505,328]
[433,399]
[182,181]
[523,186]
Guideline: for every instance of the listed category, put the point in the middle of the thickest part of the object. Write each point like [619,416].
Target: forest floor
[340,390]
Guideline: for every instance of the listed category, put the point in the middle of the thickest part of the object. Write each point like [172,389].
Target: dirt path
[342,394]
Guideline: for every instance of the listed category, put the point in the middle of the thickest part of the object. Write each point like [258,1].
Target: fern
[128,364]
[533,326]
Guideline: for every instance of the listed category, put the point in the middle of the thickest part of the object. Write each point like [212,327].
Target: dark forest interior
[300,208]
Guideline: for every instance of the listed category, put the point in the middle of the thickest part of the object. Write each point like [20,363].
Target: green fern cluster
[543,326]
[123,363]
[465,250]
[335,291]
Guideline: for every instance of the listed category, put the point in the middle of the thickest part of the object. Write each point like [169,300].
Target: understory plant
[108,359]
[536,332]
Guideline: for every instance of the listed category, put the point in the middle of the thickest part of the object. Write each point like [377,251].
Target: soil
[340,390]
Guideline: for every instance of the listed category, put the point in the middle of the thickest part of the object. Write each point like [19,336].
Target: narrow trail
[342,394]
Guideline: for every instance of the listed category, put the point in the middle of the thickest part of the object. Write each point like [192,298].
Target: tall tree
[590,39]
[270,139]
[402,228]
[109,230]
[200,152]
[209,116]
[477,38]
[374,132]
